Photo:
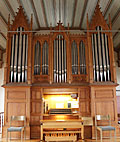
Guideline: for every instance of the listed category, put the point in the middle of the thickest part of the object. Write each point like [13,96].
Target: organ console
[59,62]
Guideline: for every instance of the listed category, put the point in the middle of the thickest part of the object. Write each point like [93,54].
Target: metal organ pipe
[21,67]
[60,47]
[94,57]
[82,58]
[74,58]
[11,67]
[45,58]
[65,61]
[17,54]
[62,60]
[37,59]
[25,59]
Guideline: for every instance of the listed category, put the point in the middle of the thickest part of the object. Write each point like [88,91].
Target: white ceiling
[49,12]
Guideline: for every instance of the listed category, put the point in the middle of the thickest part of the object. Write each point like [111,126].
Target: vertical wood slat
[35,60]
[29,57]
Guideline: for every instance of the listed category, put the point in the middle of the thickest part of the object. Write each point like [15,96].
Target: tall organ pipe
[94,56]
[65,68]
[59,58]
[98,58]
[108,60]
[105,56]
[25,56]
[11,66]
[21,56]
[39,53]
[103,77]
[17,54]
[14,57]
[55,61]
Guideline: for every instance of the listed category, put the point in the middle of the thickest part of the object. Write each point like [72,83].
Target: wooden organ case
[58,61]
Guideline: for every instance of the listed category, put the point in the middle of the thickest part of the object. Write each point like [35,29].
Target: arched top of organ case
[98,19]
[20,20]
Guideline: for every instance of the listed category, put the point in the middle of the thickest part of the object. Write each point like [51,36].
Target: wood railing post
[29,67]
[89,53]
[112,61]
[7,54]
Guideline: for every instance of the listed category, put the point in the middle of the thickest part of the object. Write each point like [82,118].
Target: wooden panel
[84,94]
[16,95]
[33,109]
[35,131]
[118,104]
[60,91]
[38,107]
[104,94]
[104,108]
[16,109]
[35,120]
[84,107]
[33,95]
[38,95]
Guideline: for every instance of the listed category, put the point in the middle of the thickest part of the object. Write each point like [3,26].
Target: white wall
[1,88]
[118,75]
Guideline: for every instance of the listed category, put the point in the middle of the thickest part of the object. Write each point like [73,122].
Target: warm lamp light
[60,117]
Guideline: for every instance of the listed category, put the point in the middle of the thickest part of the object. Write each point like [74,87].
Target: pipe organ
[59,62]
